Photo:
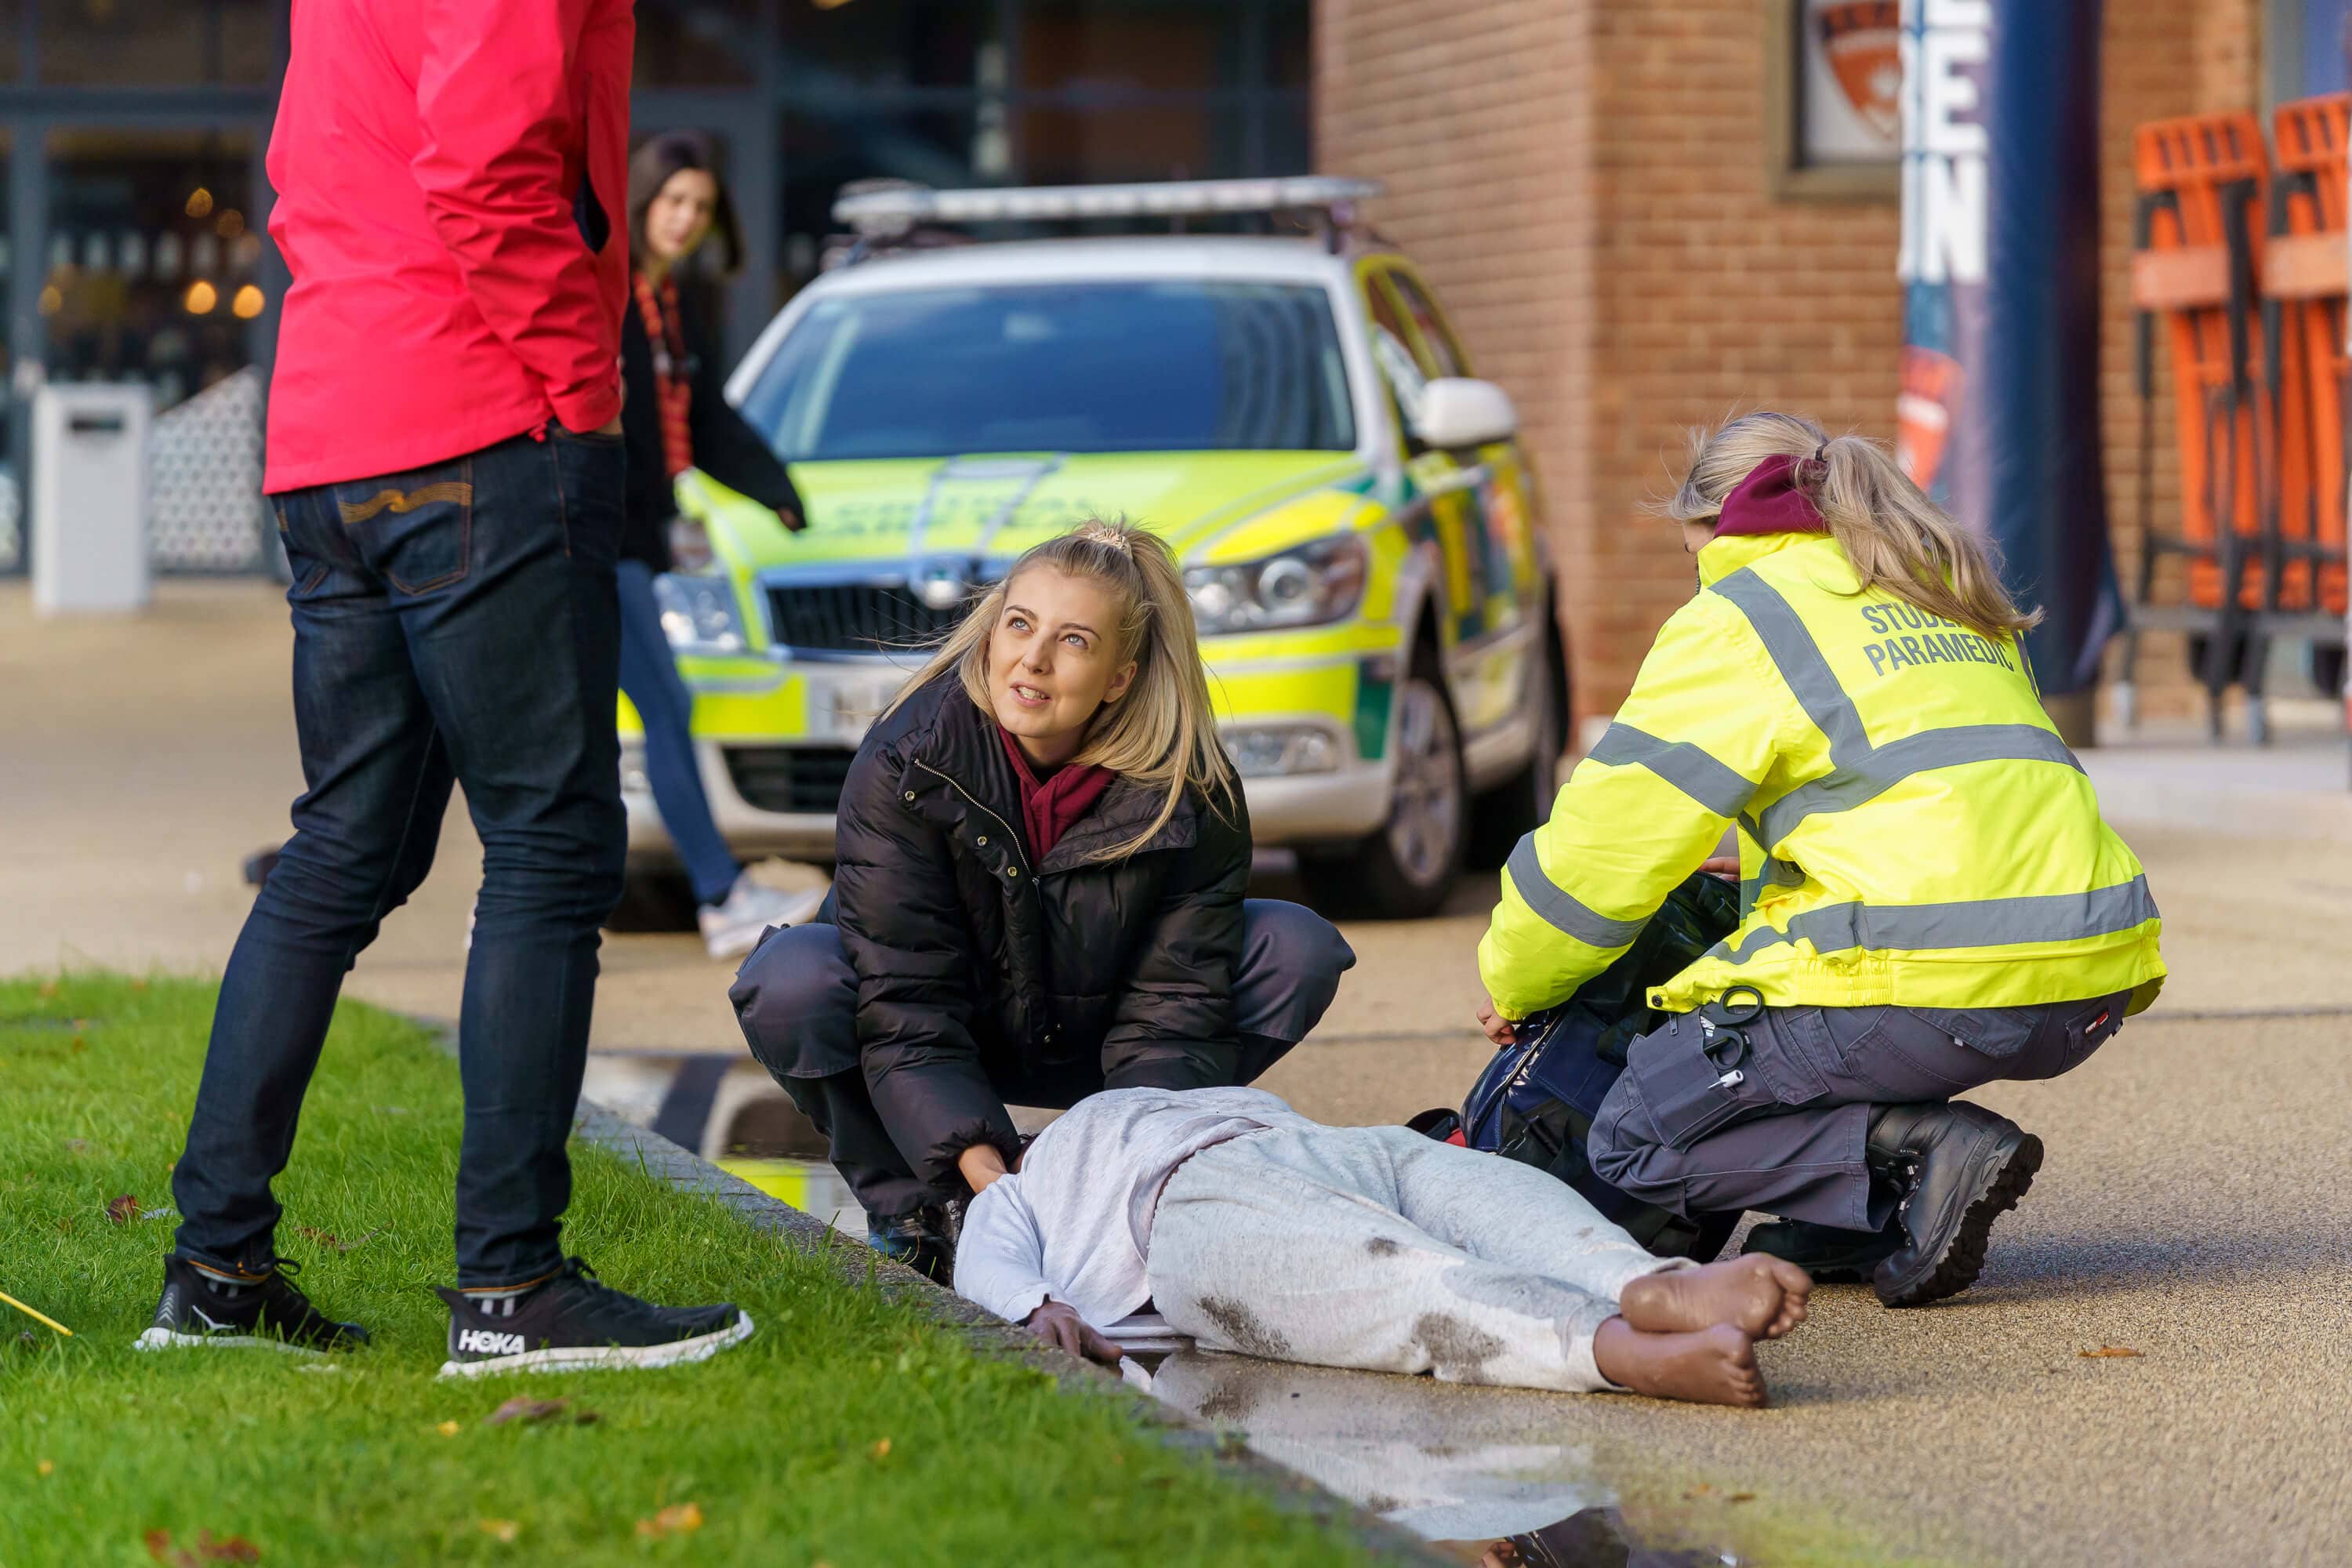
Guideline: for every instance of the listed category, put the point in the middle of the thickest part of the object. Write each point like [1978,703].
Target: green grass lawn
[848,1431]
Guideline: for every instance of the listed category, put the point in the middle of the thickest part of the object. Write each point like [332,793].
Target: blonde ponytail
[1896,538]
[1163,733]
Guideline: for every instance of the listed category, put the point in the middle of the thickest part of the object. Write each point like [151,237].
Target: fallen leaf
[333,1243]
[2108,1351]
[80,1045]
[522,1407]
[79,1146]
[447,1428]
[123,1209]
[47,1466]
[505,1529]
[678,1519]
[880,1450]
[138,985]
[1741,1497]
[49,989]
[1696,1493]
[159,1543]
[234,1549]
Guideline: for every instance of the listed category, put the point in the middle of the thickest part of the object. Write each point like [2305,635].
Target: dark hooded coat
[982,974]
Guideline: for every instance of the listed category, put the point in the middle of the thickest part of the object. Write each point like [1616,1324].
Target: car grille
[855,617]
[789,778]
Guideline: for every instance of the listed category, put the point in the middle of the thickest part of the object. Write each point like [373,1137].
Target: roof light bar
[892,212]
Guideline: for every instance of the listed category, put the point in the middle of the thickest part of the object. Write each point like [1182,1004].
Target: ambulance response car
[1358,524]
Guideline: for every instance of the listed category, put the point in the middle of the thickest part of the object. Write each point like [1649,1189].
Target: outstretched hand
[1059,1325]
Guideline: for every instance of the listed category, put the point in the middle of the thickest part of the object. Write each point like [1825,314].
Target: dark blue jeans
[456,621]
[649,675]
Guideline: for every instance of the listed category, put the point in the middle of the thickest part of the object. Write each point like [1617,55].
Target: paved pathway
[2195,1207]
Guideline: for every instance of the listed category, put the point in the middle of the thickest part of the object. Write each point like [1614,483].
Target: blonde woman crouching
[1042,855]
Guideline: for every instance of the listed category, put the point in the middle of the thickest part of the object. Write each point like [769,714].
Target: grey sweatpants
[1379,1249]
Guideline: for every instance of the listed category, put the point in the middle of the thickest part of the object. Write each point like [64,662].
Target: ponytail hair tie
[1816,468]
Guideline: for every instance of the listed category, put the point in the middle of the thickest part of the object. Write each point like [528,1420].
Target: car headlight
[1303,587]
[698,612]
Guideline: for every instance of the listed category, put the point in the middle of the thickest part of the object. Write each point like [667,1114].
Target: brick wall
[1584,182]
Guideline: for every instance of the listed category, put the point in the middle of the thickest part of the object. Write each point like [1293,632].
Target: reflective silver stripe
[1680,764]
[1801,663]
[1548,899]
[1976,922]
[1882,768]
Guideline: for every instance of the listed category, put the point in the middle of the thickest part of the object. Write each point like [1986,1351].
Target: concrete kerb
[859,1266]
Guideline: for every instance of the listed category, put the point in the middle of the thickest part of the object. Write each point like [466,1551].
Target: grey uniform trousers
[1712,1116]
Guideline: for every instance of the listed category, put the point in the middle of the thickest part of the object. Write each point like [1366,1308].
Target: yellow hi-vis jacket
[1912,829]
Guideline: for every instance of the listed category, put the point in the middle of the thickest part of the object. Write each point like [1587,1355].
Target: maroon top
[1772,498]
[1049,809]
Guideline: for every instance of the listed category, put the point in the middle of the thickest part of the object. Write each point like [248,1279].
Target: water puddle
[1481,1474]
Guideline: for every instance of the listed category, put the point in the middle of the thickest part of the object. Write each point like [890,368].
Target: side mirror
[1458,413]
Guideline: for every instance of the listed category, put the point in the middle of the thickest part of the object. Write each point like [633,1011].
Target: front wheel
[1405,870]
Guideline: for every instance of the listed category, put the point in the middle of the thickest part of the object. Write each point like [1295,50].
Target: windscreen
[1149,365]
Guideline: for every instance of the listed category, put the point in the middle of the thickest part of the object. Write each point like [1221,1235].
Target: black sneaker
[924,1241]
[1832,1257]
[1959,1167]
[572,1324]
[203,1311]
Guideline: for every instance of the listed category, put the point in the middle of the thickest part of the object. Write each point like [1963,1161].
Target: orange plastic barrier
[2199,233]
[2303,285]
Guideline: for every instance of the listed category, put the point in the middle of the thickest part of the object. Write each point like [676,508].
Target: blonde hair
[1161,732]
[1895,537]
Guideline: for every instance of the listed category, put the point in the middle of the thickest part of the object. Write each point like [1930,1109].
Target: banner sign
[1998,414]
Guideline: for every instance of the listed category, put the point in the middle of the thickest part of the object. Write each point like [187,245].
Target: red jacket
[451,179]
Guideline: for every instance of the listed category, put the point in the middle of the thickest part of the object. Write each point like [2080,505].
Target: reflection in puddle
[1408,1449]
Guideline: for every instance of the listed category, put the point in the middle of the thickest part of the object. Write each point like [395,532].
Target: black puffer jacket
[979,971]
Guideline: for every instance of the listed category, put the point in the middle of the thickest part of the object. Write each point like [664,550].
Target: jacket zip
[1010,836]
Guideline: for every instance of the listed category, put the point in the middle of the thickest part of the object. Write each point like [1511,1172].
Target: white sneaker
[732,929]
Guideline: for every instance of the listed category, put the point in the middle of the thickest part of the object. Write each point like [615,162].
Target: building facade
[132,180]
[1640,224]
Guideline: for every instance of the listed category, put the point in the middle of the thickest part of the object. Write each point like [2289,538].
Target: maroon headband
[1772,498]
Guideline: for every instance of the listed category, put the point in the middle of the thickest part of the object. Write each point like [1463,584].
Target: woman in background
[676,418]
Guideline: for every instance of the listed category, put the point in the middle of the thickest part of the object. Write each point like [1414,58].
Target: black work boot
[1957,1166]
[1832,1257]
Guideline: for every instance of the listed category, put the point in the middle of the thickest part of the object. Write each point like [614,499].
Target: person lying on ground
[1931,899]
[1259,1232]
[1041,853]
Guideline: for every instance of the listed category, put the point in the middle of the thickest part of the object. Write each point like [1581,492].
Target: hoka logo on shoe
[482,1342]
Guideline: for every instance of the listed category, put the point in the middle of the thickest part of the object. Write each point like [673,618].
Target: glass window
[1183,139]
[153,265]
[158,43]
[696,43]
[835,48]
[828,145]
[1038,368]
[1090,48]
[1445,355]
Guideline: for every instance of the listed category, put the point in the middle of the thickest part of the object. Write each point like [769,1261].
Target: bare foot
[1762,1295]
[1713,1365]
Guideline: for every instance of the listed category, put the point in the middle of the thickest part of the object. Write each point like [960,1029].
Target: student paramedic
[1930,901]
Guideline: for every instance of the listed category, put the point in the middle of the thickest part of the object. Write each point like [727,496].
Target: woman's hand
[1495,1027]
[1722,868]
[1060,1326]
[980,1164]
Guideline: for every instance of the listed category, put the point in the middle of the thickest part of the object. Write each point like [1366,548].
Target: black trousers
[1777,1120]
[797,998]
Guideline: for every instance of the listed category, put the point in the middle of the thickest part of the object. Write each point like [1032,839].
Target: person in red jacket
[445,464]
